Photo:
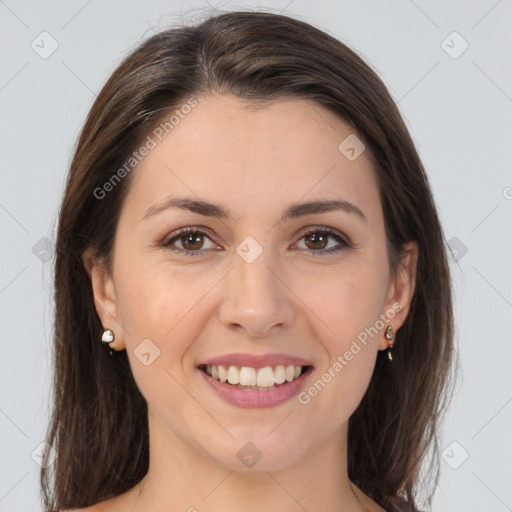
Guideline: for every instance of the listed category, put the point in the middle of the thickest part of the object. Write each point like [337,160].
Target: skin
[291,299]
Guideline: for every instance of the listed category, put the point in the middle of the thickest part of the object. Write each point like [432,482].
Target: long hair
[99,420]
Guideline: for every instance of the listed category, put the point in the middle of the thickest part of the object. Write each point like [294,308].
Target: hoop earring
[389,334]
[108,337]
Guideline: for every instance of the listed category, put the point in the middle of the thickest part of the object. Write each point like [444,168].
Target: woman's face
[254,282]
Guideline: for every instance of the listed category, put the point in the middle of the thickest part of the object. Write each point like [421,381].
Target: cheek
[164,306]
[343,377]
[348,300]
[160,321]
[349,305]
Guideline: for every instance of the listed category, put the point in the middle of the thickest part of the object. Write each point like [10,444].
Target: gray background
[457,104]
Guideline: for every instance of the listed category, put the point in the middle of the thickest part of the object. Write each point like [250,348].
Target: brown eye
[316,240]
[192,241]
[189,241]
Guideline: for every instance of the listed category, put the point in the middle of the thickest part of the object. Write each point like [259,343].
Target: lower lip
[257,399]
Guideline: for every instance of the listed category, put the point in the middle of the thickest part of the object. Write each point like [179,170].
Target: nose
[256,297]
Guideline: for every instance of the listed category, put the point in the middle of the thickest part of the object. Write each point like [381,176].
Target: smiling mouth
[256,379]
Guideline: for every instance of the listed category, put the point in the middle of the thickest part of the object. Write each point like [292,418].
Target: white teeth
[249,377]
[266,377]
[233,375]
[280,374]
[223,374]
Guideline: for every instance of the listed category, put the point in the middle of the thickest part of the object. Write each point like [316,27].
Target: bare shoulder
[121,503]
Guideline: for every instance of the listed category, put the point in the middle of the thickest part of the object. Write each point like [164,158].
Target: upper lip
[256,361]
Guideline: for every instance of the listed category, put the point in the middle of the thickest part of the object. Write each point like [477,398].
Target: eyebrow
[213,210]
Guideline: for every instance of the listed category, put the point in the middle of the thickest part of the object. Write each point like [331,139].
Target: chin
[259,451]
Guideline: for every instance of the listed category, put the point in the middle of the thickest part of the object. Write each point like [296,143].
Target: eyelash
[344,243]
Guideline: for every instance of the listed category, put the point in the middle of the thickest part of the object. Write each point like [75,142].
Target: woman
[253,306]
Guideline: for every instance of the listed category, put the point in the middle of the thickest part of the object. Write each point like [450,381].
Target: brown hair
[99,419]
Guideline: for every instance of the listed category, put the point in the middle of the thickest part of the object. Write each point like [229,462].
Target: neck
[183,478]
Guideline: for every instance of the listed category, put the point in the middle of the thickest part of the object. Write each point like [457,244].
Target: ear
[400,291]
[104,295]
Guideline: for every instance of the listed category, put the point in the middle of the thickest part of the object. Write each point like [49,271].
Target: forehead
[238,153]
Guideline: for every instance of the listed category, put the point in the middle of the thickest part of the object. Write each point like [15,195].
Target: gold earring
[389,334]
[108,337]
